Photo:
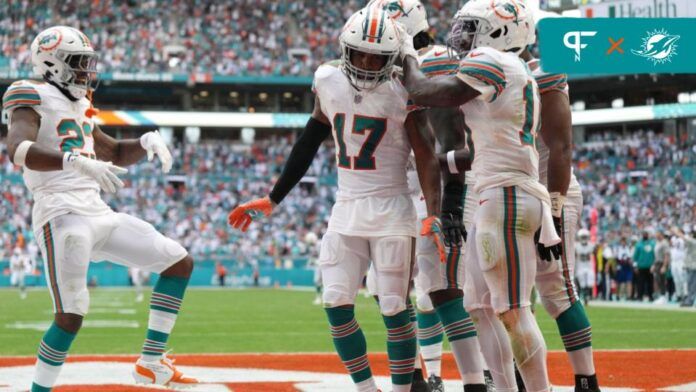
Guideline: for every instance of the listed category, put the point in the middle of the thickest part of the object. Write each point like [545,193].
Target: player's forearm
[301,157]
[429,176]
[453,164]
[42,159]
[559,169]
[128,152]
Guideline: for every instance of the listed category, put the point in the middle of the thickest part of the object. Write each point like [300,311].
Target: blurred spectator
[624,270]
[678,254]
[221,273]
[689,264]
[659,268]
[644,257]
[244,37]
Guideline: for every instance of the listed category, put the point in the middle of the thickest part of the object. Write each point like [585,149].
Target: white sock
[467,354]
[366,386]
[581,361]
[432,356]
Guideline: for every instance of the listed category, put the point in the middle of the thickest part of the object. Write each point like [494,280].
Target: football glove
[154,144]
[242,216]
[453,229]
[105,173]
[432,228]
[553,252]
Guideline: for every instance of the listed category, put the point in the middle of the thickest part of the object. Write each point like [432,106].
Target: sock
[164,307]
[351,346]
[576,334]
[412,316]
[586,383]
[401,349]
[528,347]
[496,349]
[461,334]
[430,333]
[53,349]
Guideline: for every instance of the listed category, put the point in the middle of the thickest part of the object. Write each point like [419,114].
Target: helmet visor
[81,69]
[462,37]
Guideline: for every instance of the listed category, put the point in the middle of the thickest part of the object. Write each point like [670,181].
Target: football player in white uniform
[554,279]
[438,286]
[363,104]
[20,265]
[584,271]
[67,160]
[500,101]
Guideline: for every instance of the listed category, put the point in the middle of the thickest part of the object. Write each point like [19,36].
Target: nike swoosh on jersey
[476,54]
[482,201]
[438,54]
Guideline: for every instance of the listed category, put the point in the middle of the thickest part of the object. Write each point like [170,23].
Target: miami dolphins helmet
[499,24]
[410,13]
[372,31]
[64,56]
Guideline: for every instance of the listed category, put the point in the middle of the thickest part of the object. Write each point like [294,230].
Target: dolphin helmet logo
[659,47]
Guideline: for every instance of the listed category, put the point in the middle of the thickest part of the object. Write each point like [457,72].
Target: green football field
[265,320]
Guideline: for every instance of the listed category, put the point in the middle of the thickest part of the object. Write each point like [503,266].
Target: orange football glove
[432,228]
[241,217]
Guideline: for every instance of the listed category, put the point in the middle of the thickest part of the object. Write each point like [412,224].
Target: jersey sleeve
[483,72]
[20,94]
[439,65]
[552,82]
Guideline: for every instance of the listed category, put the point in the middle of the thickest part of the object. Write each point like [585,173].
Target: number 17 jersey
[372,151]
[64,127]
[372,148]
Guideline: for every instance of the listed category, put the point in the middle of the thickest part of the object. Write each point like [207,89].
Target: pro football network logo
[573,40]
[658,46]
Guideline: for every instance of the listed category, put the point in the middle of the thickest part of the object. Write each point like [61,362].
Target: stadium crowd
[639,184]
[246,37]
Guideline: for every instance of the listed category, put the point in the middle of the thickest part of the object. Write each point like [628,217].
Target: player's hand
[453,229]
[154,144]
[241,217]
[105,173]
[553,252]
[406,48]
[432,228]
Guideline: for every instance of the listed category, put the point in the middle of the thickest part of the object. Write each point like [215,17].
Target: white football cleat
[163,373]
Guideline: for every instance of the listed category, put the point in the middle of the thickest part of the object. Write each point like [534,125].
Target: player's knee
[555,305]
[390,305]
[182,268]
[336,295]
[69,322]
[524,338]
[424,304]
[440,297]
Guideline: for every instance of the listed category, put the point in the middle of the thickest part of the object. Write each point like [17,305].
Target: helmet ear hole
[50,64]
[496,33]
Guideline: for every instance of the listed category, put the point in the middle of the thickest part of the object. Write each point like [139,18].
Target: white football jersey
[372,147]
[550,82]
[503,119]
[20,261]
[583,253]
[65,127]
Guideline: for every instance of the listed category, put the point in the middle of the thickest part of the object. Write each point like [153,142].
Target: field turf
[265,320]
